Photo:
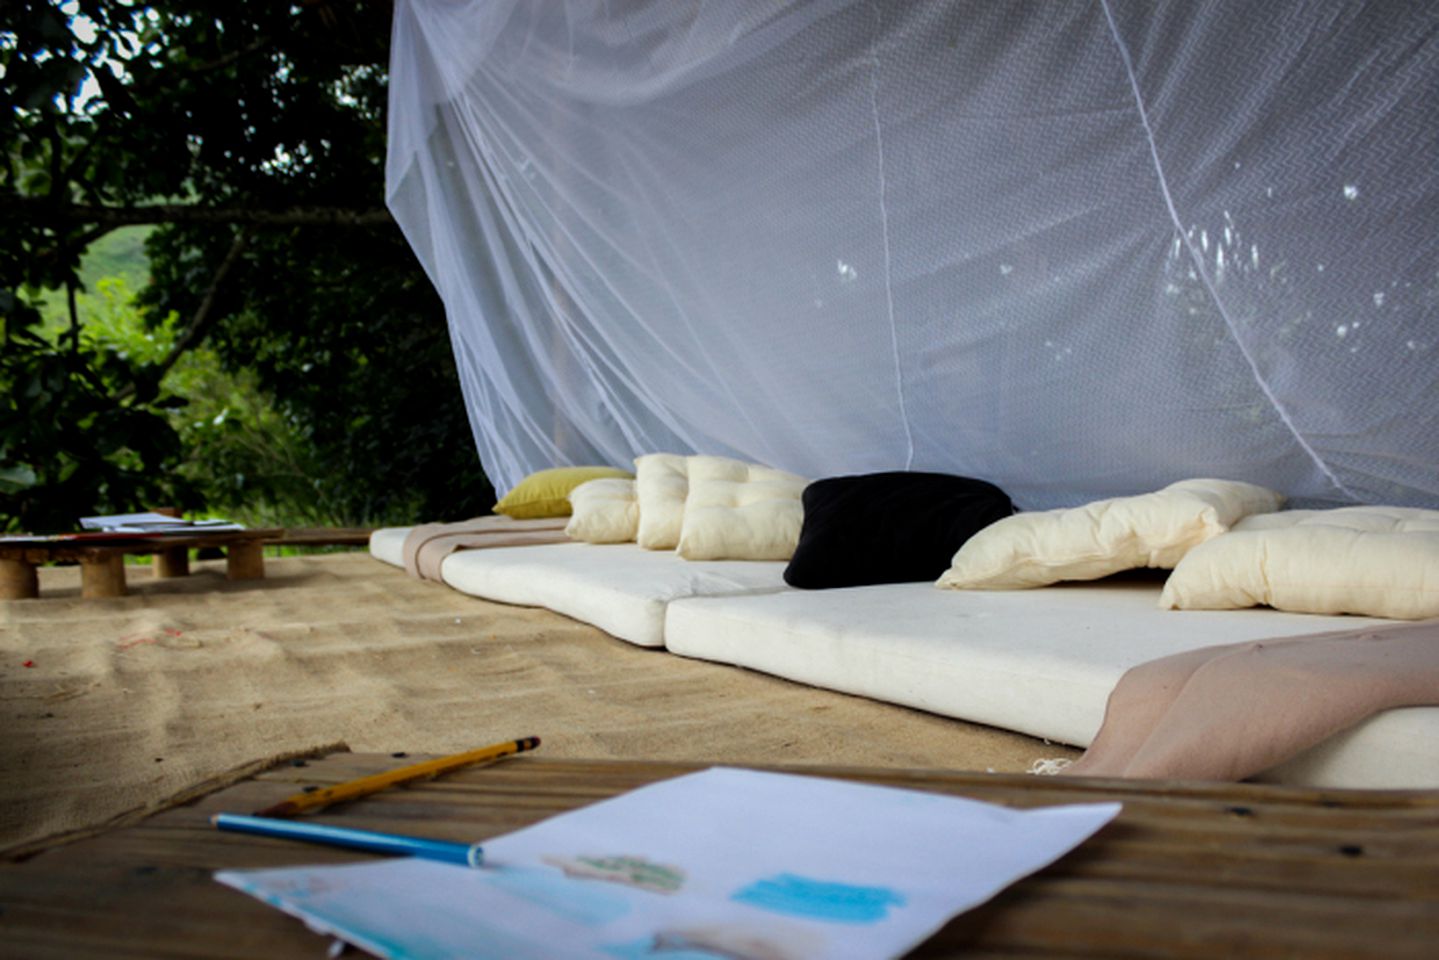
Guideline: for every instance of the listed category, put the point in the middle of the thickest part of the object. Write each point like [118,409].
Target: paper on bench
[724,862]
[153,523]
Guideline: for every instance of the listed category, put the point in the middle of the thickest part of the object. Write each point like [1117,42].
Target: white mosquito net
[1078,249]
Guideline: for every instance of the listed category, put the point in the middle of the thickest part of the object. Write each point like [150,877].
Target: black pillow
[888,527]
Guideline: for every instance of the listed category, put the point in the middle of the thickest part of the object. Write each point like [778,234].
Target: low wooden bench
[102,562]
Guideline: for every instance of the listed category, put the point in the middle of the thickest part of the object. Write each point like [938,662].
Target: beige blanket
[115,707]
[1229,712]
[427,545]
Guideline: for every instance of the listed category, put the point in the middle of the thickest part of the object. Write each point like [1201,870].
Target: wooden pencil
[365,786]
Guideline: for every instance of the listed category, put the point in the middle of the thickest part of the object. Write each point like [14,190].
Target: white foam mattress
[1041,662]
[388,544]
[620,588]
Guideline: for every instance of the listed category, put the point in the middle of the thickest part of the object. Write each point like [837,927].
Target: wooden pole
[103,575]
[174,562]
[18,580]
[245,560]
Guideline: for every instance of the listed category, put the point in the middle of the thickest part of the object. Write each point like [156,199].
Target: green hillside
[120,253]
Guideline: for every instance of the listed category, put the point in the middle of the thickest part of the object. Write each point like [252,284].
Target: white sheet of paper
[110,521]
[723,863]
[153,523]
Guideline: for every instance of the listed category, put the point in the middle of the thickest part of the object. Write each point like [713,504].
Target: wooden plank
[322,537]
[1181,872]
[71,551]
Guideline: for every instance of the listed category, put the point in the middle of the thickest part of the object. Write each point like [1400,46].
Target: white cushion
[1104,537]
[604,511]
[661,485]
[388,544]
[620,588]
[1041,664]
[740,511]
[1376,561]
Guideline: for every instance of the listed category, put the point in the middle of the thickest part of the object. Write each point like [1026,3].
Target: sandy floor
[116,706]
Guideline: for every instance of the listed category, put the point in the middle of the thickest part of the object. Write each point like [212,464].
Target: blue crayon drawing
[799,896]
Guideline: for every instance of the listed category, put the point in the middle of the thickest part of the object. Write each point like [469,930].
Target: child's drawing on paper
[631,871]
[718,865]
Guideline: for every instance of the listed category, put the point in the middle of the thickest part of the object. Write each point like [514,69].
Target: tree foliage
[254,133]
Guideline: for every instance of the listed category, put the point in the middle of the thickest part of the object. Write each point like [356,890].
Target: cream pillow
[1104,537]
[661,486]
[740,511]
[1375,561]
[605,511]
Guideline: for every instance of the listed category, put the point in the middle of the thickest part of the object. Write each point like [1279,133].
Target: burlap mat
[114,707]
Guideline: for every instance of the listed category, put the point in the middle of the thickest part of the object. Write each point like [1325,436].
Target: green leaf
[15,479]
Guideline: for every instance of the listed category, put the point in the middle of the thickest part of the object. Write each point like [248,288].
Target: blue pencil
[466,854]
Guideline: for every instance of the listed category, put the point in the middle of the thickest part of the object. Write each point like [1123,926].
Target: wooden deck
[1187,870]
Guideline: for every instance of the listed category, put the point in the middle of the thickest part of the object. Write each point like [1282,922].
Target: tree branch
[74,317]
[43,208]
[200,322]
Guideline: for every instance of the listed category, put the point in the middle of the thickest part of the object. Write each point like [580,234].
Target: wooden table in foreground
[1186,870]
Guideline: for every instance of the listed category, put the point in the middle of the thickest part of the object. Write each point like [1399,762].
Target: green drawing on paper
[629,870]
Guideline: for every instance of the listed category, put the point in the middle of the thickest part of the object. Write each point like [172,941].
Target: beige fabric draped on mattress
[1229,712]
[427,545]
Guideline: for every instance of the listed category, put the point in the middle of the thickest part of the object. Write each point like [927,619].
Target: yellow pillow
[546,493]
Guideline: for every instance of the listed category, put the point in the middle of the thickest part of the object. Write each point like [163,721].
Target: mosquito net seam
[884,232]
[1199,265]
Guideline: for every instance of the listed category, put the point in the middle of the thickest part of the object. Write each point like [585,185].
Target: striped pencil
[363,787]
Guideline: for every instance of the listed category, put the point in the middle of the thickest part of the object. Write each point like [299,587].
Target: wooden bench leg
[103,576]
[245,560]
[18,580]
[174,562]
